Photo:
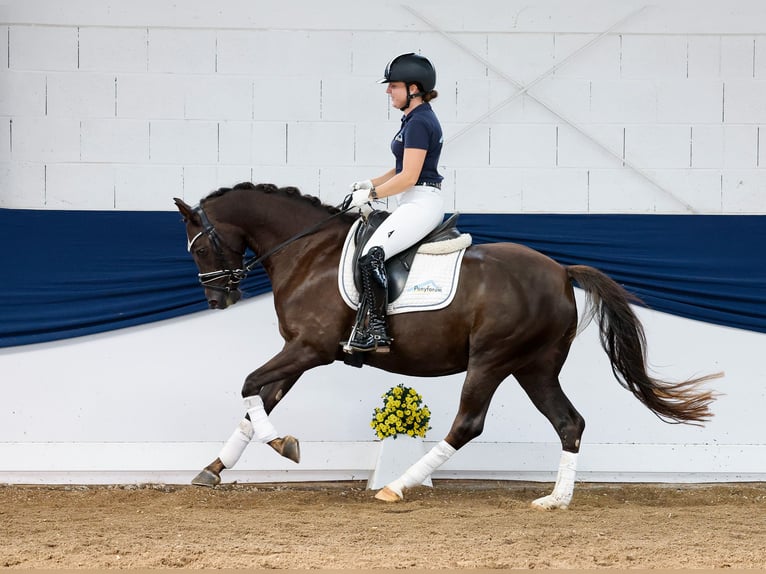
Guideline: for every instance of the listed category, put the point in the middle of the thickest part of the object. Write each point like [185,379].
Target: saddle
[397,267]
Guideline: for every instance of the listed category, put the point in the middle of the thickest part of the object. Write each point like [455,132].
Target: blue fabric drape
[72,273]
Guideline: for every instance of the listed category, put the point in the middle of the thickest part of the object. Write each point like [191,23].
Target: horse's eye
[201,251]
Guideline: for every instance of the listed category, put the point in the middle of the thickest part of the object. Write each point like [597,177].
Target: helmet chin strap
[410,96]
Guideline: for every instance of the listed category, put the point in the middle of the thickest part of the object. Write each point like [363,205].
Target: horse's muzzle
[221,300]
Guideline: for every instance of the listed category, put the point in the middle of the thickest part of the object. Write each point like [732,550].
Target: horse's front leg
[263,389]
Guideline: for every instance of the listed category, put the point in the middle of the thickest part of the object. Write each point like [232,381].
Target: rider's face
[397,91]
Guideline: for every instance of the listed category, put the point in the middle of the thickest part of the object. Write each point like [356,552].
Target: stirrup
[365,342]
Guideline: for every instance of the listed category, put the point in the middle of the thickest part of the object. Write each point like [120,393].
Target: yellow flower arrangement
[402,413]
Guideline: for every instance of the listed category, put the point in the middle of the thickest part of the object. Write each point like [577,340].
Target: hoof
[387,495]
[288,447]
[550,503]
[291,449]
[207,478]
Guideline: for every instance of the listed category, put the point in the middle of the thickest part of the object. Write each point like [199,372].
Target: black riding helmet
[411,68]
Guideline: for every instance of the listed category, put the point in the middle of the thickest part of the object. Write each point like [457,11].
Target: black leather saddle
[397,267]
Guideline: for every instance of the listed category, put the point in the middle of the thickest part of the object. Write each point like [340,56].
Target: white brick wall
[122,94]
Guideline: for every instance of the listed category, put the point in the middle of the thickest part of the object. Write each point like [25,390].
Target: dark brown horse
[514,313]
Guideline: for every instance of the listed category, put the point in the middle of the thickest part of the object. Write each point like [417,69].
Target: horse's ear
[185,209]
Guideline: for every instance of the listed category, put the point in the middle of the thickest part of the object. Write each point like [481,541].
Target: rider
[415,181]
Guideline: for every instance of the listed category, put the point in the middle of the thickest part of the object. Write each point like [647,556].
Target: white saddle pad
[431,284]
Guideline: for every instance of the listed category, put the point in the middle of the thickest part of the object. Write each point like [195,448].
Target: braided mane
[289,191]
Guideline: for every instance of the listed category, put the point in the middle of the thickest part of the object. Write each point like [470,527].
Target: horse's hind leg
[478,389]
[545,392]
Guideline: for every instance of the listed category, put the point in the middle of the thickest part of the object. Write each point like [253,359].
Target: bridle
[235,276]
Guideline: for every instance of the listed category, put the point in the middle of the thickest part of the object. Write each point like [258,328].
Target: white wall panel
[147,187]
[567,189]
[621,190]
[114,141]
[700,188]
[574,149]
[79,186]
[704,57]
[653,57]
[22,186]
[690,102]
[83,95]
[219,98]
[523,145]
[599,60]
[42,139]
[22,93]
[4,42]
[759,66]
[181,51]
[508,106]
[743,191]
[471,100]
[289,98]
[745,101]
[482,190]
[354,99]
[456,59]
[659,146]
[152,96]
[251,61]
[269,143]
[181,141]
[470,148]
[624,102]
[623,440]
[523,57]
[740,147]
[319,144]
[569,98]
[113,49]
[737,57]
[5,140]
[43,48]
[372,147]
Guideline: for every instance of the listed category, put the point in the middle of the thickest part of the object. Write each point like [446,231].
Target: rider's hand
[360,197]
[357,185]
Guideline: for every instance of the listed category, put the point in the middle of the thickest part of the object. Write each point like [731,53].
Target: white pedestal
[396,455]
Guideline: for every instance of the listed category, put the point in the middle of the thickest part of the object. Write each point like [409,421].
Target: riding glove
[360,197]
[357,185]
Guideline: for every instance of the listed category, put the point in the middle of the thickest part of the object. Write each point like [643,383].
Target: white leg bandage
[423,468]
[263,430]
[236,444]
[565,480]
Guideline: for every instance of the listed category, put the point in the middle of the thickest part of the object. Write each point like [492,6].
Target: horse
[513,313]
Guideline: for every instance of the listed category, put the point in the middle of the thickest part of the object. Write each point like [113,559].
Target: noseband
[235,276]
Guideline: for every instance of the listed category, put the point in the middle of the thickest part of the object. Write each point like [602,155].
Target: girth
[397,267]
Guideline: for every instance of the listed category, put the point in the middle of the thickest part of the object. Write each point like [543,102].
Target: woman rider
[414,181]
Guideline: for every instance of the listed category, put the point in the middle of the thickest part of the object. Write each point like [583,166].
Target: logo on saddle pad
[431,284]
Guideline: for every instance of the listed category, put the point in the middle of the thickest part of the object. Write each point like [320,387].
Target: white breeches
[419,211]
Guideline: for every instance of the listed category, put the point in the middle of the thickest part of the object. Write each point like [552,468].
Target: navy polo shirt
[421,130]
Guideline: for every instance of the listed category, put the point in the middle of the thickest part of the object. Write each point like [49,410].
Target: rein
[235,276]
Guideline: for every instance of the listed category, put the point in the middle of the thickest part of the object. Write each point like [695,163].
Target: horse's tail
[623,339]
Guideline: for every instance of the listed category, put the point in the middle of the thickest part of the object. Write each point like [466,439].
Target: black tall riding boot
[373,336]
